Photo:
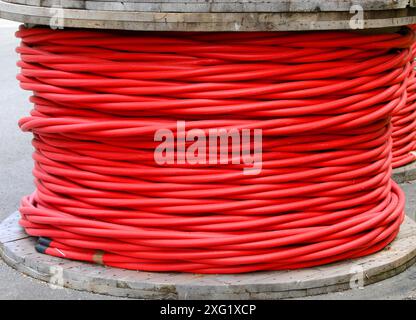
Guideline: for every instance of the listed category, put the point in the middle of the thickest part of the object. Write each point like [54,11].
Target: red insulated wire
[404,122]
[323,101]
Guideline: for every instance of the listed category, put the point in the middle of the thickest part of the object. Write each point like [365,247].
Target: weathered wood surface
[405,174]
[220,5]
[19,253]
[198,15]
[154,21]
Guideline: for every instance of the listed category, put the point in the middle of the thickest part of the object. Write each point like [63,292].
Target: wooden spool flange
[213,15]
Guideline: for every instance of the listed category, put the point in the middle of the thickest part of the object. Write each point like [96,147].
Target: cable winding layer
[404,121]
[323,101]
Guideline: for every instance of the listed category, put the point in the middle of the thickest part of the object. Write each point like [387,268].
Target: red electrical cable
[404,121]
[323,101]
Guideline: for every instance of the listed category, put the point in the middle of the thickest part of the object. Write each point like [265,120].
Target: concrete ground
[16,181]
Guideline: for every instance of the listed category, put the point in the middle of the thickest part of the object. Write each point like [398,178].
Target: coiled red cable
[323,100]
[404,122]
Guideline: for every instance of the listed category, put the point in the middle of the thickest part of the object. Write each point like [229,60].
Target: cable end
[44,241]
[41,248]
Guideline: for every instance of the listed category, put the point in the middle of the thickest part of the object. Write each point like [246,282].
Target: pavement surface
[16,181]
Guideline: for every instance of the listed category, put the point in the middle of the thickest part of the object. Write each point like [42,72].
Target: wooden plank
[398,256]
[405,173]
[154,21]
[221,5]
[10,229]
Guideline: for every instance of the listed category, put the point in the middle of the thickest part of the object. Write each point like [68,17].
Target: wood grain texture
[221,5]
[201,21]
[405,174]
[20,254]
